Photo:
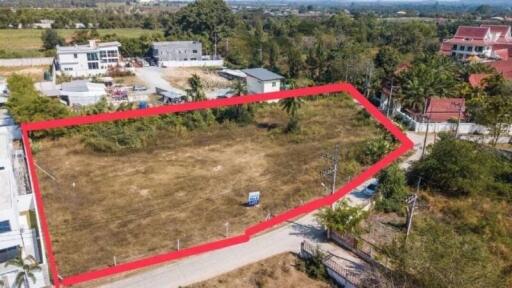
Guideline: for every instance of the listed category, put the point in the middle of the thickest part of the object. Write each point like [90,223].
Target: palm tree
[291,106]
[28,265]
[238,88]
[195,93]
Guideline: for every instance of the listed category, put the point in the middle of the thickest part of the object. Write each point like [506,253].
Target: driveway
[152,77]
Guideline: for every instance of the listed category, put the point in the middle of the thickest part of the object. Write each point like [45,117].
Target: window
[194,51]
[470,48]
[92,56]
[8,254]
[93,65]
[75,55]
[479,48]
[462,48]
[68,69]
[193,59]
[274,84]
[5,226]
[454,47]
[112,53]
[112,60]
[103,54]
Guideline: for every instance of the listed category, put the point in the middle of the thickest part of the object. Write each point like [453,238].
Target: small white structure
[87,60]
[44,24]
[260,80]
[82,92]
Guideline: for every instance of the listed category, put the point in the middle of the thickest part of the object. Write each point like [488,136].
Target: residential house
[182,54]
[19,228]
[260,80]
[87,60]
[82,92]
[484,42]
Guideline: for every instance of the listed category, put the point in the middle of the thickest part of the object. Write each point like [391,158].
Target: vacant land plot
[278,271]
[190,183]
[178,77]
[27,42]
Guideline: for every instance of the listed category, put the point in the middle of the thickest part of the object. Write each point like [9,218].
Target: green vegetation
[27,265]
[26,105]
[392,190]
[460,168]
[343,218]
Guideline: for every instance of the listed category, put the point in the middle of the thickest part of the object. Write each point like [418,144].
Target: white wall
[17,62]
[192,63]
[255,86]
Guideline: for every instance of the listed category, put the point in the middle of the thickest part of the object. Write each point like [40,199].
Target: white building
[18,225]
[261,80]
[44,24]
[82,92]
[87,60]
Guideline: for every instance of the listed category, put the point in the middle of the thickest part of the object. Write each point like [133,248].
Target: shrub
[393,190]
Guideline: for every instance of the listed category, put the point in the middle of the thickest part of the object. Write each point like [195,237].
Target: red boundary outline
[406,145]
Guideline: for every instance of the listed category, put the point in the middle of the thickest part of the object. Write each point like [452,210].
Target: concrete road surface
[205,266]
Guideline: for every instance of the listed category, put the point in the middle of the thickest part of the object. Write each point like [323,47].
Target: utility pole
[261,55]
[227,229]
[411,206]
[215,45]
[425,139]
[227,45]
[458,120]
[334,159]
[390,98]
[369,80]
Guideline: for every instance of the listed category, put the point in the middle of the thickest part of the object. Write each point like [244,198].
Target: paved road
[208,265]
[152,77]
[417,139]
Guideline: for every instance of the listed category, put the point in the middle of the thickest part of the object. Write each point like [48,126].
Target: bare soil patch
[178,77]
[190,184]
[275,272]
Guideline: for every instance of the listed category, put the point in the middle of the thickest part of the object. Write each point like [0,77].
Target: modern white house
[260,80]
[18,222]
[82,92]
[87,60]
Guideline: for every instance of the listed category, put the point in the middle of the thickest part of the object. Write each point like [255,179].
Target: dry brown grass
[189,185]
[275,272]
[34,72]
[178,77]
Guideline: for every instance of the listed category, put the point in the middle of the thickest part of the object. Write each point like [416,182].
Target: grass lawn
[27,42]
[275,272]
[190,183]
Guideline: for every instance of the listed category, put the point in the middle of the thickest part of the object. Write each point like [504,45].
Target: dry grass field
[190,184]
[275,272]
[34,72]
[178,77]
[28,43]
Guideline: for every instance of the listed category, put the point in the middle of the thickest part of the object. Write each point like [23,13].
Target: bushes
[373,150]
[458,168]
[392,189]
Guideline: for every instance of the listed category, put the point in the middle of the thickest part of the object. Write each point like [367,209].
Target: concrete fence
[18,62]
[192,63]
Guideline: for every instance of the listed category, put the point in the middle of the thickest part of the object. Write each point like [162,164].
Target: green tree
[459,168]
[392,190]
[51,39]
[343,218]
[195,92]
[387,58]
[292,105]
[28,266]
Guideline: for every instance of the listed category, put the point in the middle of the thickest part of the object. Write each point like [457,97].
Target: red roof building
[503,67]
[486,41]
[444,109]
[475,80]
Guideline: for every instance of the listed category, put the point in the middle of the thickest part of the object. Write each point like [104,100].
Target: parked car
[371,187]
[139,88]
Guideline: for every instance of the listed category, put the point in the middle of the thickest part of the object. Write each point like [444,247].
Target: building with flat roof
[484,41]
[260,80]
[19,232]
[182,54]
[87,60]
